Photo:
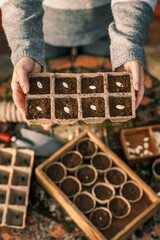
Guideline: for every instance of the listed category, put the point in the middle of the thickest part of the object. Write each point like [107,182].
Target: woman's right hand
[20,84]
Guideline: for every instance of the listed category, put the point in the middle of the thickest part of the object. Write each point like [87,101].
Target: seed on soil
[120,107]
[92,87]
[39,108]
[119,84]
[39,84]
[66,109]
[93,107]
[65,85]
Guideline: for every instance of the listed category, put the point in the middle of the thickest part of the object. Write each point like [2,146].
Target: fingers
[136,74]
[140,93]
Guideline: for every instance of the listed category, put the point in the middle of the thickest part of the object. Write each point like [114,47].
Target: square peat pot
[39,84]
[141,144]
[65,85]
[93,107]
[93,84]
[66,108]
[119,83]
[119,229]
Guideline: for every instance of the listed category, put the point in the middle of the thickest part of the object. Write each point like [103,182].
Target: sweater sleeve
[22,22]
[129,30]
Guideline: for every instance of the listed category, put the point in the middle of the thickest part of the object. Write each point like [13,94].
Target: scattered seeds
[119,84]
[92,87]
[65,85]
[93,107]
[66,109]
[39,84]
[39,108]
[120,107]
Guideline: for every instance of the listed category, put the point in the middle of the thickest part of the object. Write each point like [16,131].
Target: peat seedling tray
[119,229]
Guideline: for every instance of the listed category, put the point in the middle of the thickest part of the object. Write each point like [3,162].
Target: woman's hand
[136,69]
[20,84]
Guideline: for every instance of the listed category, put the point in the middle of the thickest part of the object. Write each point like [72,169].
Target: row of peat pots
[97,189]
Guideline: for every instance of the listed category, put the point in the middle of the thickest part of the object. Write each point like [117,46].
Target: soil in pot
[71,160]
[86,174]
[115,177]
[55,172]
[120,106]
[92,85]
[38,108]
[130,191]
[70,187]
[118,207]
[119,83]
[66,108]
[157,168]
[39,85]
[100,218]
[66,85]
[84,202]
[86,148]
[101,162]
[103,192]
[93,107]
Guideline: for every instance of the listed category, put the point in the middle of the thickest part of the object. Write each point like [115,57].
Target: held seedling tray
[15,174]
[119,228]
[141,144]
[90,97]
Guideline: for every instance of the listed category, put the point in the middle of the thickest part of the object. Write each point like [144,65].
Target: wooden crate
[120,228]
[135,134]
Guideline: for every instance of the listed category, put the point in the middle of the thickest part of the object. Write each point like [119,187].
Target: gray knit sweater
[28,23]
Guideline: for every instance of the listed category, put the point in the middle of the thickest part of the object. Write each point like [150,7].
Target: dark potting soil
[84,202]
[115,177]
[103,192]
[118,207]
[93,107]
[92,85]
[66,108]
[55,172]
[71,160]
[130,191]
[65,85]
[86,175]
[124,79]
[69,186]
[124,101]
[100,218]
[86,148]
[38,108]
[39,85]
[101,162]
[157,168]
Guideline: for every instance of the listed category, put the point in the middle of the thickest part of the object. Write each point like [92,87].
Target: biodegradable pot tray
[147,137]
[65,98]
[15,174]
[119,228]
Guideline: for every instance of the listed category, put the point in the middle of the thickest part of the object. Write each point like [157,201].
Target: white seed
[93,107]
[137,151]
[119,84]
[127,143]
[92,87]
[39,84]
[141,155]
[131,150]
[66,109]
[158,194]
[146,145]
[150,153]
[120,107]
[65,85]
[139,147]
[146,139]
[39,108]
[146,152]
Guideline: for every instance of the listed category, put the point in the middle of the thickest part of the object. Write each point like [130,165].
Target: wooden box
[120,228]
[134,137]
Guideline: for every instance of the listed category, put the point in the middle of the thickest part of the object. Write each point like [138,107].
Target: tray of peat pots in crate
[15,174]
[141,144]
[66,98]
[99,200]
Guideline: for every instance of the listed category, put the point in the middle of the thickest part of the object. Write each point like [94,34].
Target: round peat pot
[101,217]
[156,169]
[86,174]
[131,191]
[70,186]
[103,192]
[85,202]
[72,160]
[115,176]
[119,207]
[86,147]
[56,171]
[101,162]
